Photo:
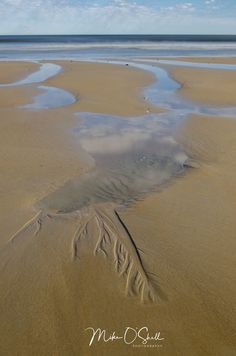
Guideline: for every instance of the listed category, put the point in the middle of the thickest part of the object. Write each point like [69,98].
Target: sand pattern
[123,173]
[112,239]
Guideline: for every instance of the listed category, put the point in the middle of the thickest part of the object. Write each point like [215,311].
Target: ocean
[114,46]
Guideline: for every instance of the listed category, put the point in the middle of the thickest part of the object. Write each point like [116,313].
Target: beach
[56,282]
[196,82]
[206,59]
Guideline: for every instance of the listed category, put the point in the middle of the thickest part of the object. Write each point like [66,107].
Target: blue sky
[117,16]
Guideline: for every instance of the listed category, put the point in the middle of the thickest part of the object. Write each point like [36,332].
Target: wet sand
[11,71]
[52,289]
[191,227]
[101,88]
[209,59]
[213,87]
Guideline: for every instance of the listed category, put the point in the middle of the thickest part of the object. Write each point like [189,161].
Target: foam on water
[107,46]
[120,45]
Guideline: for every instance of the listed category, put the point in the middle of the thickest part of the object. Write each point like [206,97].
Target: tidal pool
[132,156]
[51,97]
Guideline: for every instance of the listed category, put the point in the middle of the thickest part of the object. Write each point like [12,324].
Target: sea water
[114,46]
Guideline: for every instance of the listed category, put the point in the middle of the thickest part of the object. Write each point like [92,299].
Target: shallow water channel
[132,155]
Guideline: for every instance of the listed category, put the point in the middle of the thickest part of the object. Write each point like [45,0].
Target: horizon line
[120,34]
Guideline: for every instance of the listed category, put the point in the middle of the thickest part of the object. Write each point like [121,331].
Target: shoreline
[203,59]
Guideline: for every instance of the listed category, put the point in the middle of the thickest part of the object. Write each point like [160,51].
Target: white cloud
[117,16]
[212,4]
[186,6]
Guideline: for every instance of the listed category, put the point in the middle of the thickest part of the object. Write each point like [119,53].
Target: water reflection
[163,92]
[45,71]
[51,98]
[132,156]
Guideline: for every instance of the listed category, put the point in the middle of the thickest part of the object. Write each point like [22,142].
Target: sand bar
[213,87]
[101,87]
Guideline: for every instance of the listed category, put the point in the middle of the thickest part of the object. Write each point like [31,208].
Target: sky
[117,17]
